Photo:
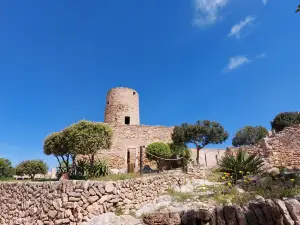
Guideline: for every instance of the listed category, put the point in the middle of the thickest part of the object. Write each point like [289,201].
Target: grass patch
[119,212]
[179,196]
[116,177]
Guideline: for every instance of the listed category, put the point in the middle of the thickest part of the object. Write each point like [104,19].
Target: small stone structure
[280,150]
[73,202]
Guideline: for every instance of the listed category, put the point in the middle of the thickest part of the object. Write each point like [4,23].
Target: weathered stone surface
[275,212]
[284,211]
[109,187]
[92,199]
[230,215]
[220,216]
[259,214]
[240,216]
[250,216]
[293,207]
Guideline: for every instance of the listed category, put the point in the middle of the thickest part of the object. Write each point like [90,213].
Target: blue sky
[231,61]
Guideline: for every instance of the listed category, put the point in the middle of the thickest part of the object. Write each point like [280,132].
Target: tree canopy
[31,168]
[285,119]
[6,168]
[249,135]
[84,138]
[200,134]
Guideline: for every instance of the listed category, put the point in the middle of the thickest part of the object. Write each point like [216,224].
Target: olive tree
[158,151]
[285,119]
[6,168]
[31,168]
[83,138]
[249,135]
[200,134]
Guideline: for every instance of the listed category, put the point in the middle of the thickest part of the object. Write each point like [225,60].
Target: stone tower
[122,106]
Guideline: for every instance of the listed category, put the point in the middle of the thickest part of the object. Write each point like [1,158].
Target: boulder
[275,212]
[293,207]
[230,215]
[284,211]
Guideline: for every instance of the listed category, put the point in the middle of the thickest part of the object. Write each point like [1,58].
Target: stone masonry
[74,202]
[280,150]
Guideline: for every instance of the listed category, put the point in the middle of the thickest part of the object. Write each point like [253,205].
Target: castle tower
[122,106]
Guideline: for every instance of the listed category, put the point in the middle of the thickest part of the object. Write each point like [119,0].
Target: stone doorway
[132,159]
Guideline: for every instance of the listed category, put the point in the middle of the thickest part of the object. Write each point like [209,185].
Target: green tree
[298,9]
[31,168]
[6,169]
[158,151]
[83,138]
[91,137]
[200,134]
[285,119]
[249,135]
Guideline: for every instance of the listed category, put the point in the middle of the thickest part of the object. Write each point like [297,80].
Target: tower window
[127,120]
[134,93]
[107,102]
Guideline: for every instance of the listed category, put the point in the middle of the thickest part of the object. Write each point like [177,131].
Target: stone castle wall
[132,137]
[281,149]
[74,202]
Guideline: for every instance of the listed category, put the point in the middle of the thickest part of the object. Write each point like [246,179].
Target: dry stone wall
[262,212]
[73,202]
[281,149]
[132,137]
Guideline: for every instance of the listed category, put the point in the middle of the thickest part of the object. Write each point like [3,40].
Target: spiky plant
[241,164]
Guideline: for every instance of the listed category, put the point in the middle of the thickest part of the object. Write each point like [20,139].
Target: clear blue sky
[231,61]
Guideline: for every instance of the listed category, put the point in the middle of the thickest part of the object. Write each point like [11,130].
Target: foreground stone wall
[281,149]
[132,137]
[73,202]
[262,212]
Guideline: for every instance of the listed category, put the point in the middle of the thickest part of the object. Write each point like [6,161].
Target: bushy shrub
[6,169]
[31,168]
[241,164]
[285,119]
[86,170]
[158,151]
[249,135]
[179,151]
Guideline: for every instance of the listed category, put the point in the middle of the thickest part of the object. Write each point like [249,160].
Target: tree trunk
[198,155]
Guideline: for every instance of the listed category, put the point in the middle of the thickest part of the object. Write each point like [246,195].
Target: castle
[122,114]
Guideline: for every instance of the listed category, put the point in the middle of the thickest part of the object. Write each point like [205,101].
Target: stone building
[122,114]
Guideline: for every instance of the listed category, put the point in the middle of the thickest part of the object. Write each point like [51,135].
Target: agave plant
[241,164]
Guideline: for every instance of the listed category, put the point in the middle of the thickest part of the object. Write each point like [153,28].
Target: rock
[151,207]
[92,199]
[220,216]
[250,216]
[155,218]
[189,217]
[205,214]
[293,207]
[106,218]
[229,214]
[259,214]
[275,212]
[240,217]
[266,212]
[114,171]
[103,199]
[52,214]
[109,187]
[128,220]
[273,171]
[284,211]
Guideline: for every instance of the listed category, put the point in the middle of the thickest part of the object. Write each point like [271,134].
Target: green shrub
[241,164]
[249,135]
[6,169]
[31,168]
[85,170]
[158,151]
[285,119]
